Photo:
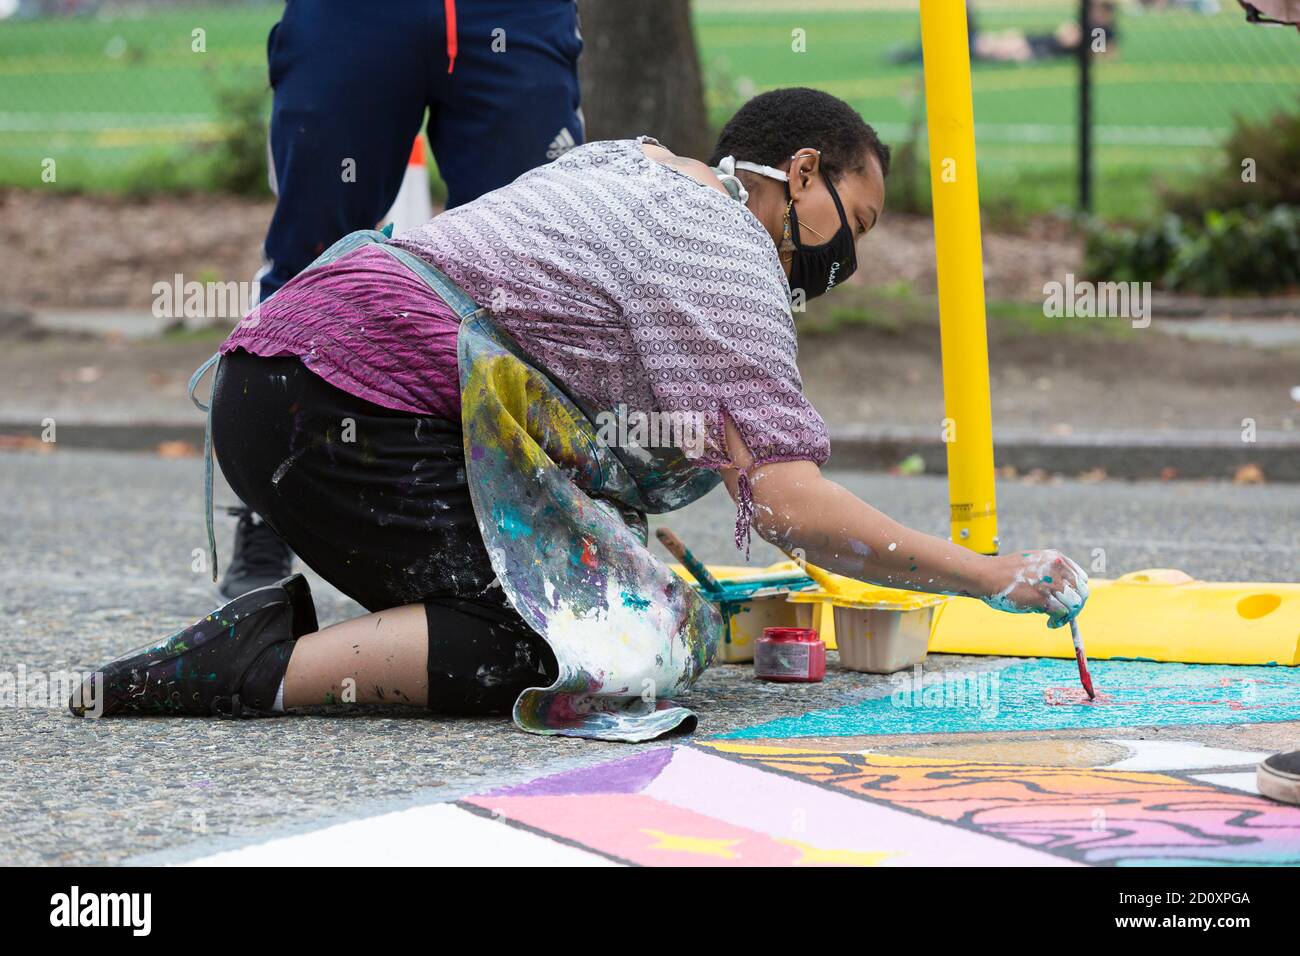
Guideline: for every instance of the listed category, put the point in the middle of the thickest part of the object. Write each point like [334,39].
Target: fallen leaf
[911,465]
[25,443]
[176,449]
[1248,474]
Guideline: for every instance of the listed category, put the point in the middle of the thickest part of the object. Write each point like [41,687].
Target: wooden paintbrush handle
[692,564]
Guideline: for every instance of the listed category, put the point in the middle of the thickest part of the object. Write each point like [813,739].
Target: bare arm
[795,507]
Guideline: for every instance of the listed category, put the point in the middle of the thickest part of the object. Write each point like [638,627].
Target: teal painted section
[1045,695]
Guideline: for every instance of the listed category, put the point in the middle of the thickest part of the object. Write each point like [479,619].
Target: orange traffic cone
[414,204]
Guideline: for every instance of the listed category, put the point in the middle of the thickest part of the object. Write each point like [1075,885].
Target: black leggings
[376,502]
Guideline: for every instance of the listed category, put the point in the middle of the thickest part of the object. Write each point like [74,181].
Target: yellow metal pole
[968,428]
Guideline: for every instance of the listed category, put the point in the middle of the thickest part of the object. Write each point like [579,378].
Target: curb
[111,436]
[1122,455]
[1165,306]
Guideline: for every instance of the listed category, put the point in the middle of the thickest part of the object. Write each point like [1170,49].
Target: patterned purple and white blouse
[636,286]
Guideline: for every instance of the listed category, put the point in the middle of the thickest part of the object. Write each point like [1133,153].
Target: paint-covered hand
[1046,582]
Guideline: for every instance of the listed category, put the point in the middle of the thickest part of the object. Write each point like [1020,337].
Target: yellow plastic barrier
[1158,615]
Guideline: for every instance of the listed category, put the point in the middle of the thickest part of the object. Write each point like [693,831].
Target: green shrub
[163,171]
[238,163]
[1272,145]
[1236,251]
[1135,255]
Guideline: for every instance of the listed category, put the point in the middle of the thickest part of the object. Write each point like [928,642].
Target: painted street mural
[686,805]
[1088,815]
[731,803]
[829,788]
[1045,695]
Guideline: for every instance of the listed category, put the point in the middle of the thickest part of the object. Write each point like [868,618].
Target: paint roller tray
[878,630]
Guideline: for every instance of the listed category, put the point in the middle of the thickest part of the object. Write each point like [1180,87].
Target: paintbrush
[1082,658]
[823,578]
[692,564]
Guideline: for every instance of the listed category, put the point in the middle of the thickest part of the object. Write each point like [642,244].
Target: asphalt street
[96,557]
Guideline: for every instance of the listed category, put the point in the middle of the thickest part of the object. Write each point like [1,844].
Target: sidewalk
[116,380]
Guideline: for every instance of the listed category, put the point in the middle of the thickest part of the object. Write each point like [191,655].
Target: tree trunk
[640,73]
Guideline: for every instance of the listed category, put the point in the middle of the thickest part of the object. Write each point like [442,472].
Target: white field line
[1013,133]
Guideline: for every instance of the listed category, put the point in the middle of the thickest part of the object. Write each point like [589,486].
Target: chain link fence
[164,94]
[131,95]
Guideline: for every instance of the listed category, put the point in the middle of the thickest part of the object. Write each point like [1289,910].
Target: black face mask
[818,269]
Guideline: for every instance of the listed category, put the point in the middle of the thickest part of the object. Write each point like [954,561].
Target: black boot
[260,556]
[229,664]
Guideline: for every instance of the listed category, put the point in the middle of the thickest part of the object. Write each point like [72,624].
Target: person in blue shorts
[352,83]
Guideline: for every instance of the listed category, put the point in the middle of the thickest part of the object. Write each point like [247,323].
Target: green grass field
[123,103]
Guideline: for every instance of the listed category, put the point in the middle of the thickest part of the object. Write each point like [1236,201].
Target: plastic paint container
[790,654]
[752,602]
[882,640]
[878,630]
[745,621]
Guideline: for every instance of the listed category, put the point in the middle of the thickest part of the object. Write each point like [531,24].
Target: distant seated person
[1274,12]
[1206,7]
[1016,46]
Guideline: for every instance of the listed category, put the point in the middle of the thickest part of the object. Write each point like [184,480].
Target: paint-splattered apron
[562,515]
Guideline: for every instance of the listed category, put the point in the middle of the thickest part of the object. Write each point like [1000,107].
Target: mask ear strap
[839,206]
[771,172]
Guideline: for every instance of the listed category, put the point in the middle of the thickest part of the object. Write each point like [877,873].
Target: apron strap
[443,287]
[207,455]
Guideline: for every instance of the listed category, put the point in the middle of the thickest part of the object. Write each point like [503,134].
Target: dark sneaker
[260,557]
[1278,777]
[229,664]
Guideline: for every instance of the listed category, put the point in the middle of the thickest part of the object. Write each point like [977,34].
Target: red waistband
[449,8]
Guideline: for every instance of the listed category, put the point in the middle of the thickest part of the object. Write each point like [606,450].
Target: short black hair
[773,125]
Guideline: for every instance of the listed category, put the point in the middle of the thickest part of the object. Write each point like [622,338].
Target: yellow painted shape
[821,856]
[740,747]
[700,846]
[1158,614]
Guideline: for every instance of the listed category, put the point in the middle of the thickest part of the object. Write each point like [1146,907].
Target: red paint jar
[791,654]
